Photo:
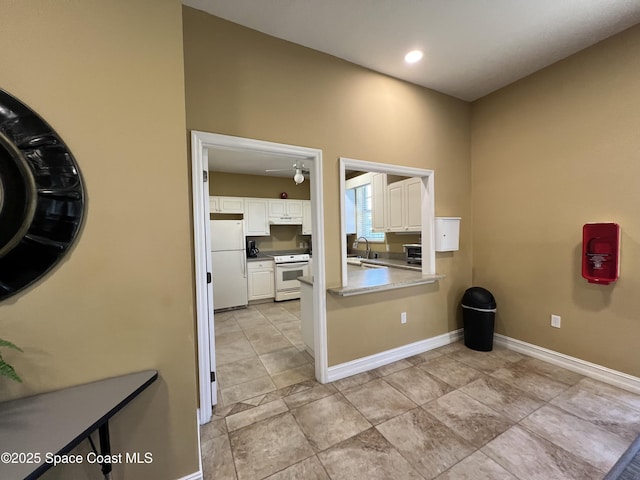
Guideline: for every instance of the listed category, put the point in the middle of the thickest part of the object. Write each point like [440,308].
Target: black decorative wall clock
[42,197]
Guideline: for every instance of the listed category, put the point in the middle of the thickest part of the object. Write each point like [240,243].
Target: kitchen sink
[357,262]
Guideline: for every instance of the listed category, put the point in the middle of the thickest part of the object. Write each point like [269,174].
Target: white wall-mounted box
[447,233]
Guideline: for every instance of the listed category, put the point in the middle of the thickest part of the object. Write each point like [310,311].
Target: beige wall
[241,82]
[235,185]
[550,153]
[283,237]
[108,77]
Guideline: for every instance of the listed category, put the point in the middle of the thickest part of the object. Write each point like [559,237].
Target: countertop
[261,257]
[397,274]
[390,262]
[372,280]
[268,255]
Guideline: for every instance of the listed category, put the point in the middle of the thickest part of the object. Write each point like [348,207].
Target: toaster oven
[413,252]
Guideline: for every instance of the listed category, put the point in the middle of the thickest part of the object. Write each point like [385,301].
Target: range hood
[285,220]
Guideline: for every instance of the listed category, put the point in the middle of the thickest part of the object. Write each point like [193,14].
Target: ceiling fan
[299,171]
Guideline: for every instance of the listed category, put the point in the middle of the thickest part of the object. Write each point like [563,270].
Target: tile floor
[451,413]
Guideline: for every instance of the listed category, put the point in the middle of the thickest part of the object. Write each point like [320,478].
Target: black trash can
[478,317]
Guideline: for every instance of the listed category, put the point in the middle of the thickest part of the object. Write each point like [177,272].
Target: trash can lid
[478,297]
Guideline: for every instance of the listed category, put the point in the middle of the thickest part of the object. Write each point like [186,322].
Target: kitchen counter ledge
[372,280]
[389,262]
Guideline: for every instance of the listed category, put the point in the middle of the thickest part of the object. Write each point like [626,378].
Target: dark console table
[35,428]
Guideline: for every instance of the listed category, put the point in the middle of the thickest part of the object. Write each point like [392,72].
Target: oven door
[287,277]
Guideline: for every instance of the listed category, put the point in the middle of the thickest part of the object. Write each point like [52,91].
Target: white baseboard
[364,364]
[588,369]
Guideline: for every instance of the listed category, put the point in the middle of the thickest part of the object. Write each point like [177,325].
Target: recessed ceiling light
[413,56]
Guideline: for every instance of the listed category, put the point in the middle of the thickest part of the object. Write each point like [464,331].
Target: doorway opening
[201,144]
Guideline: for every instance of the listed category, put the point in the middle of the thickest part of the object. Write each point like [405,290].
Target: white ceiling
[471,47]
[254,163]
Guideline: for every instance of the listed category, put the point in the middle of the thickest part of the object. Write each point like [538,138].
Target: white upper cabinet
[285,208]
[379,202]
[404,206]
[295,207]
[413,189]
[395,207]
[307,228]
[219,204]
[285,211]
[277,208]
[256,217]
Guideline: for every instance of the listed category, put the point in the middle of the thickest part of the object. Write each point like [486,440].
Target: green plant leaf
[7,343]
[7,370]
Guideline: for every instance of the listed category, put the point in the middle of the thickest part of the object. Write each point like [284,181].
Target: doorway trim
[201,142]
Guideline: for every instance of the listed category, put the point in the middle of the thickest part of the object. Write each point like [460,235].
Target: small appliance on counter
[252,250]
[414,253]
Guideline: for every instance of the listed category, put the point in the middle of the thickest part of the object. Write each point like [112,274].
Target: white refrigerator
[228,263]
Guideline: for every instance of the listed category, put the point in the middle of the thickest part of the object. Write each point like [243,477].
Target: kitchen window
[364,216]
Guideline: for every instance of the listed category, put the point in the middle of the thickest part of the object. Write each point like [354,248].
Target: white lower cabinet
[260,280]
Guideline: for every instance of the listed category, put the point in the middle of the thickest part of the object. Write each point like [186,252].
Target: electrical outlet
[555,321]
[354,245]
[387,247]
[403,317]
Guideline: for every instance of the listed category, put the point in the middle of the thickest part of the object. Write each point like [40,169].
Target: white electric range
[287,270]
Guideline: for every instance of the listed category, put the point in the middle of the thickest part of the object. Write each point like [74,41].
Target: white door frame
[201,142]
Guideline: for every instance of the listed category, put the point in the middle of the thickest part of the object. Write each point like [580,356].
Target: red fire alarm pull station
[601,252]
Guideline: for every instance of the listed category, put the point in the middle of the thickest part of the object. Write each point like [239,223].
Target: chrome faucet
[367,242]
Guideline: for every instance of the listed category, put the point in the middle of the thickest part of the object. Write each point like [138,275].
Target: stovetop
[296,257]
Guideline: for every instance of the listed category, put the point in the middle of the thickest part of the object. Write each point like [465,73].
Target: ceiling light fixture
[413,56]
[298,177]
